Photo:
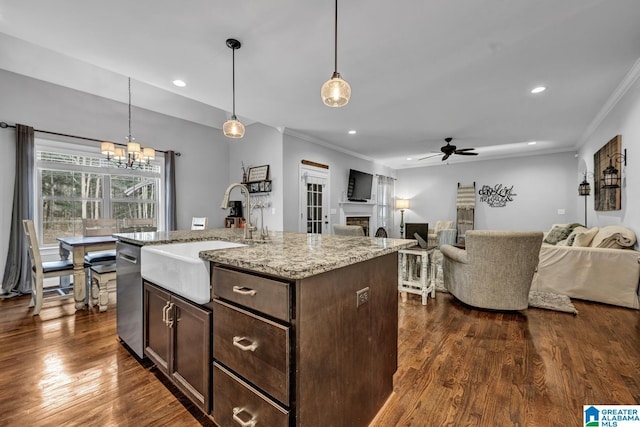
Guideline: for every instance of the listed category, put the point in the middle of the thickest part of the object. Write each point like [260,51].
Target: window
[74,182]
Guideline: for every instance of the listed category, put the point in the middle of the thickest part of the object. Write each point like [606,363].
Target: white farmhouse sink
[178,268]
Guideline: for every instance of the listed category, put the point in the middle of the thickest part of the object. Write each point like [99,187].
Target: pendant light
[336,91]
[232,128]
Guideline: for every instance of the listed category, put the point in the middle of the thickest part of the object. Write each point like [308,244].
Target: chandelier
[131,156]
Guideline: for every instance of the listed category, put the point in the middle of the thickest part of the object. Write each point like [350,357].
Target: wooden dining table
[78,246]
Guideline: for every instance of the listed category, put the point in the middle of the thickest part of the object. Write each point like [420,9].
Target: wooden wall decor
[607,199]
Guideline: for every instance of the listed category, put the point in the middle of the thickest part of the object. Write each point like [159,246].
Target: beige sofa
[590,264]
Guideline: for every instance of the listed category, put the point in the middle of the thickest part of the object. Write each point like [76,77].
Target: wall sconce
[402,204]
[610,177]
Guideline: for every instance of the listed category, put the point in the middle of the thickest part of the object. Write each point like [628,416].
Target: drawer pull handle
[250,423]
[244,291]
[237,341]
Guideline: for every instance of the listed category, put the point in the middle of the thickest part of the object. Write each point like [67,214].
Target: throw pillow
[584,239]
[559,233]
[572,236]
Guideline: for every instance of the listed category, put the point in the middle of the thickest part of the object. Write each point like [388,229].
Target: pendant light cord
[335,40]
[129,109]
[233,80]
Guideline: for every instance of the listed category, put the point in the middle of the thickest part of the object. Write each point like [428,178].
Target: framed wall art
[258,173]
[607,198]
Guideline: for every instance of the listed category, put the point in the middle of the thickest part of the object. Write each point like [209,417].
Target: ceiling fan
[449,149]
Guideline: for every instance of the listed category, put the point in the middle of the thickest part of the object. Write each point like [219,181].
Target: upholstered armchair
[495,270]
[435,239]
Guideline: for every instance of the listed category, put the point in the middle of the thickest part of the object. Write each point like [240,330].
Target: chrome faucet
[248,228]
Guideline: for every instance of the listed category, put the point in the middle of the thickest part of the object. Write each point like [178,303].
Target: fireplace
[362,221]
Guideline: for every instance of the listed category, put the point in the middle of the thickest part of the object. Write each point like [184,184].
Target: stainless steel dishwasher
[130,297]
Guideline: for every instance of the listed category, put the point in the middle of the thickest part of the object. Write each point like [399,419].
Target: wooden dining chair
[99,227]
[138,225]
[199,223]
[41,270]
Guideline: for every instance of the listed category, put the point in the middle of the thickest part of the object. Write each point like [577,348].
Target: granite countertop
[285,254]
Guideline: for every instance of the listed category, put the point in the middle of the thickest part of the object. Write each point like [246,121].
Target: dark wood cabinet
[304,352]
[177,338]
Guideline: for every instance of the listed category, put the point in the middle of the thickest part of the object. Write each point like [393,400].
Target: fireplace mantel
[369,209]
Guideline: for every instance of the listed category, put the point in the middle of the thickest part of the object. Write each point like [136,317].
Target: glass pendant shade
[233,128]
[336,91]
[107,148]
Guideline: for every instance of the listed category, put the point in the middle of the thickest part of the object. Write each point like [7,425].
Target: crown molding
[624,86]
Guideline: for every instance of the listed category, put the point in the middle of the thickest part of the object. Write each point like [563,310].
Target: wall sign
[496,196]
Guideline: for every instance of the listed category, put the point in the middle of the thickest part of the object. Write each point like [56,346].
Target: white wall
[201,172]
[623,119]
[542,184]
[296,150]
[261,145]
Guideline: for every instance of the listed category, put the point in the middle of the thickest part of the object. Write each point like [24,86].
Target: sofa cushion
[626,238]
[559,232]
[584,239]
[574,233]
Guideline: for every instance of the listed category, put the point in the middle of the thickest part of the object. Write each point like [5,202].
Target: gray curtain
[170,190]
[16,278]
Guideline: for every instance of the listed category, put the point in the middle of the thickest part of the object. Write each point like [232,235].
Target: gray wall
[622,119]
[202,172]
[542,184]
[261,145]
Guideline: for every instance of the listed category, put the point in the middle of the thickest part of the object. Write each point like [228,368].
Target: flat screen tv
[359,189]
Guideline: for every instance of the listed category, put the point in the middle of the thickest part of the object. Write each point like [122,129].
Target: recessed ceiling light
[352,132]
[531,143]
[409,158]
[179,83]
[538,89]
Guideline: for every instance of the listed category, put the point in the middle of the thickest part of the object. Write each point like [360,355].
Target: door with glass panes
[314,200]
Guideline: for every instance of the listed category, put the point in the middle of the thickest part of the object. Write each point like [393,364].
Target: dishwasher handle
[129,258]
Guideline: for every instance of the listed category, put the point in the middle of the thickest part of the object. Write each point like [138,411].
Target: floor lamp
[402,204]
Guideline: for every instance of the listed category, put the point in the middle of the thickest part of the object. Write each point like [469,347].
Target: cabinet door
[191,362]
[157,338]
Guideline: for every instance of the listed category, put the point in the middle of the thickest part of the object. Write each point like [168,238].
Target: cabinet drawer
[237,403]
[254,347]
[258,293]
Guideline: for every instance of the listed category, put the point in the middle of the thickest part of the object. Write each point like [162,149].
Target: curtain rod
[4,125]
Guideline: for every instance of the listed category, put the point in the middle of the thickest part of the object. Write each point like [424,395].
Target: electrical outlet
[560,211]
[362,296]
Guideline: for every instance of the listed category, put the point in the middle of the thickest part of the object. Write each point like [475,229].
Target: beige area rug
[551,301]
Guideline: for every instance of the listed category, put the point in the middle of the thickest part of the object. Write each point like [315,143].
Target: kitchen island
[304,328]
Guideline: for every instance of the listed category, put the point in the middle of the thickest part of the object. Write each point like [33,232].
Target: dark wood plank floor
[456,366]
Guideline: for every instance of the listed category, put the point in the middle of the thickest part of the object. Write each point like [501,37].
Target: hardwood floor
[457,366]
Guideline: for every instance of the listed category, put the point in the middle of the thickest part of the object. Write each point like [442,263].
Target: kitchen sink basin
[178,268]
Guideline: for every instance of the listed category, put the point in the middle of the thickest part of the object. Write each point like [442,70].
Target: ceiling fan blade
[446,156]
[464,149]
[430,156]
[467,153]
